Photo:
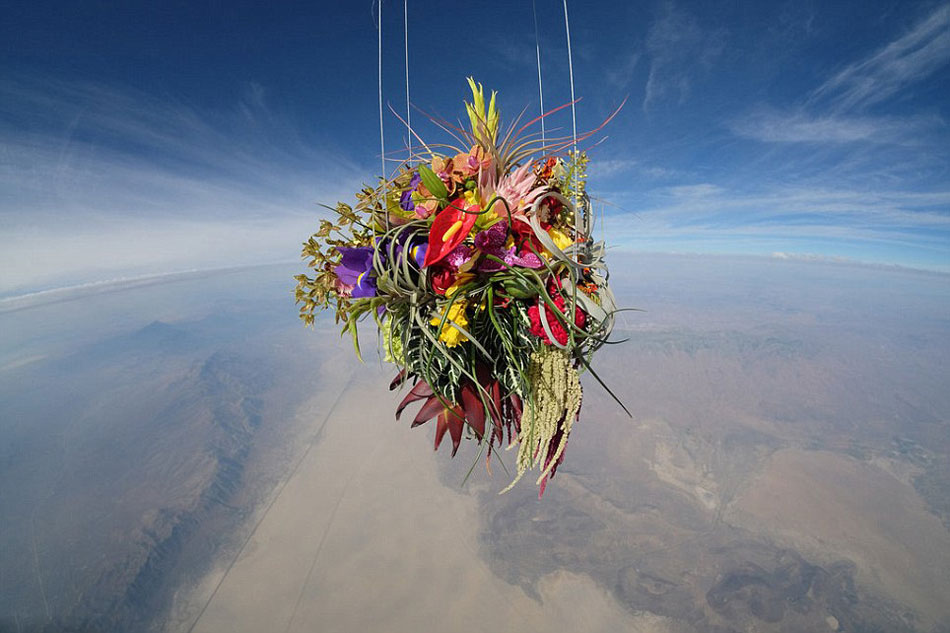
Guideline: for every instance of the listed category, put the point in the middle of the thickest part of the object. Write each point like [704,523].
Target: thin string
[405,26]
[570,67]
[382,141]
[537,48]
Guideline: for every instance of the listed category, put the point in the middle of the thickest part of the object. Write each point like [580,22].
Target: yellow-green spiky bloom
[484,126]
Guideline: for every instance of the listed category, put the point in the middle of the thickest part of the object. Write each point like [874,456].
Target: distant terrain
[185,456]
[133,448]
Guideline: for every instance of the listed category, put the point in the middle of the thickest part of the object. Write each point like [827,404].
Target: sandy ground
[824,502]
[365,537]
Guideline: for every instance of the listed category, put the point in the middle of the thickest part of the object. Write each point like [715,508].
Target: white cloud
[905,61]
[56,256]
[773,126]
[811,257]
[97,183]
[613,166]
[621,73]
[836,111]
[781,219]
[699,191]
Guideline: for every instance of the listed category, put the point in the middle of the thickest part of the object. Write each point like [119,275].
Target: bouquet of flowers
[478,266]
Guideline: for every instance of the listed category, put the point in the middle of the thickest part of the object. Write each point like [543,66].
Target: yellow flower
[461,279]
[449,335]
[561,239]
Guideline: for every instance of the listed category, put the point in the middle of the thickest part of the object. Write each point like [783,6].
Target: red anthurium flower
[442,278]
[449,229]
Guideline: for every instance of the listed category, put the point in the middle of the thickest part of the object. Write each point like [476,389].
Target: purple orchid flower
[354,270]
[415,244]
[417,251]
[492,242]
[405,200]
[458,256]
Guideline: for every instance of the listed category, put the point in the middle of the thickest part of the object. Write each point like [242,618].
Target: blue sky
[141,138]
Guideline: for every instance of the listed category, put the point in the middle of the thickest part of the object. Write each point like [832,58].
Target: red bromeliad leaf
[418,392]
[456,423]
[440,429]
[471,410]
[431,407]
[474,410]
[450,420]
[398,380]
[449,229]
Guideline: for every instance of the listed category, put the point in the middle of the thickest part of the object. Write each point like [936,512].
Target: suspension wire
[570,67]
[382,140]
[405,26]
[537,48]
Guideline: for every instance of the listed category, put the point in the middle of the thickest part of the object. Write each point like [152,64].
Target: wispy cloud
[621,73]
[54,256]
[773,126]
[708,205]
[903,62]
[837,111]
[700,191]
[87,145]
[678,48]
[811,257]
[910,227]
[112,181]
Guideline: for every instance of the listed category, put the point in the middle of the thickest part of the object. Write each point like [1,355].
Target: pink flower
[518,190]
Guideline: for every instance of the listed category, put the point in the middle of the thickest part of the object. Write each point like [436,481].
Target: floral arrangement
[478,265]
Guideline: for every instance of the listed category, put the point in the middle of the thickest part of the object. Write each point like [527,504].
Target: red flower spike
[552,448]
[495,410]
[474,410]
[517,410]
[398,380]
[441,427]
[449,229]
[419,391]
[431,407]
[471,410]
[450,420]
[456,422]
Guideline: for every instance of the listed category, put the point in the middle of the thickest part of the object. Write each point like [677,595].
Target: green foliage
[320,254]
[433,183]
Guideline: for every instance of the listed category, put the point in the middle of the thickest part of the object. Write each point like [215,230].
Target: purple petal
[528,260]
[418,252]
[356,258]
[458,256]
[354,267]
[405,200]
[365,287]
[492,237]
[490,265]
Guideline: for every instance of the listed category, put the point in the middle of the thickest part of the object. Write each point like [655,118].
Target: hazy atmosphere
[179,454]
[185,456]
